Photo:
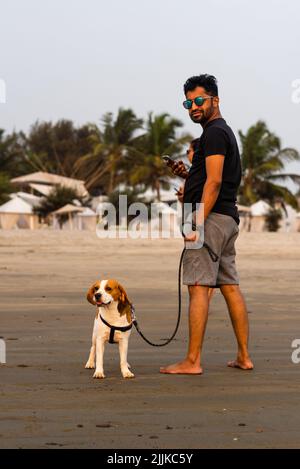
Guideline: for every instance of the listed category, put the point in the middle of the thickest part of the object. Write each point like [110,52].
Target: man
[213,180]
[179,169]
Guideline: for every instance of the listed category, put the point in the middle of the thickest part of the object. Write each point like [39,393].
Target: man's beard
[199,118]
[202,117]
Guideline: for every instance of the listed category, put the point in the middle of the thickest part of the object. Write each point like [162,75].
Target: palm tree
[133,196]
[55,148]
[5,156]
[5,188]
[263,162]
[57,198]
[160,138]
[11,154]
[103,167]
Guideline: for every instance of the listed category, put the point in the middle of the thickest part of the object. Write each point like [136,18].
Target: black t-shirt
[217,139]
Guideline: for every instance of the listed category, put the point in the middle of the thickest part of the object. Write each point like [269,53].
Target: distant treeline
[126,149]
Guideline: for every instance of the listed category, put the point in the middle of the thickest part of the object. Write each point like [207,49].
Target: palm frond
[288,154]
[284,177]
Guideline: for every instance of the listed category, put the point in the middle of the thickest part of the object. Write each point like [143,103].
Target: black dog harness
[113,329]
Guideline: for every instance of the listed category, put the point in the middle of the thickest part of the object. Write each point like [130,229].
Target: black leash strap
[178,316]
[213,255]
[214,258]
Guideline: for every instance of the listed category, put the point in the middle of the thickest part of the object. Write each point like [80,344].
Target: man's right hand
[178,168]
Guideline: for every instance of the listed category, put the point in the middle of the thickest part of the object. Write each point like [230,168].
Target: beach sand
[48,399]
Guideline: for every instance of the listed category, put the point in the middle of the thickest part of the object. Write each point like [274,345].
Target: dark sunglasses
[188,103]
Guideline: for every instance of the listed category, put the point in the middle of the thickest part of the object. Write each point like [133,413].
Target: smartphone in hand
[168,159]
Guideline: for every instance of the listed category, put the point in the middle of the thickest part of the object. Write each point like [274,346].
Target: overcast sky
[78,59]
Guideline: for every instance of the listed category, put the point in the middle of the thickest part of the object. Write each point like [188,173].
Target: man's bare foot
[185,367]
[243,364]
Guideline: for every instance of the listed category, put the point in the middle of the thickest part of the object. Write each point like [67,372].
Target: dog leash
[214,258]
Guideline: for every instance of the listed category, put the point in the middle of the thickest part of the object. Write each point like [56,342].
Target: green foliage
[5,188]
[133,196]
[56,199]
[104,167]
[55,148]
[127,150]
[263,160]
[124,152]
[12,159]
[272,219]
[159,139]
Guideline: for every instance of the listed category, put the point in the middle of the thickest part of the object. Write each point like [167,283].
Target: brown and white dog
[114,308]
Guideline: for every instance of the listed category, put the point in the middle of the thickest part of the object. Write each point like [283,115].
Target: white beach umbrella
[16,205]
[260,208]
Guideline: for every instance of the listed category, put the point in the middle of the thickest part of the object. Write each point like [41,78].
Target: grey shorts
[220,233]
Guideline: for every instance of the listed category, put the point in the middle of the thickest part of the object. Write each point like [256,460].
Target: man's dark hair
[208,82]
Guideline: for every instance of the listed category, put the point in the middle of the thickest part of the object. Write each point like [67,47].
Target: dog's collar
[113,329]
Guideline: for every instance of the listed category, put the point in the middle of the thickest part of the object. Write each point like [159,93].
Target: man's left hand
[191,236]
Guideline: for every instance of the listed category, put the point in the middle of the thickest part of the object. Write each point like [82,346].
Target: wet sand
[48,399]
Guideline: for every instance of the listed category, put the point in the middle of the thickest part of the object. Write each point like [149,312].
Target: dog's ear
[124,304]
[90,293]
